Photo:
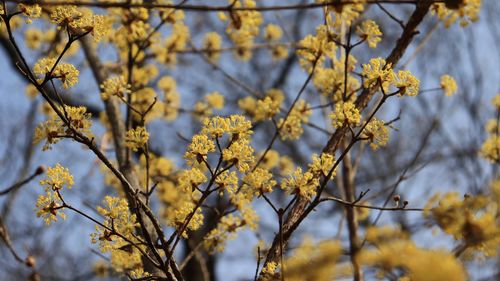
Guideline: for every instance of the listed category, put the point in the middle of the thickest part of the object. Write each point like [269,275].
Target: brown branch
[207,8]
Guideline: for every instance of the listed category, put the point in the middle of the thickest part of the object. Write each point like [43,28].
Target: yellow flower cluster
[65,72]
[171,97]
[260,180]
[291,129]
[345,113]
[311,261]
[272,34]
[243,27]
[378,71]
[179,193]
[55,129]
[235,125]
[314,49]
[419,264]
[204,109]
[265,108]
[226,230]
[448,85]
[115,86]
[344,14]
[406,83]
[198,149]
[330,80]
[321,165]
[30,11]
[451,11]
[117,234]
[80,21]
[177,41]
[370,32]
[470,219]
[137,138]
[49,205]
[302,184]
[376,133]
[490,150]
[212,42]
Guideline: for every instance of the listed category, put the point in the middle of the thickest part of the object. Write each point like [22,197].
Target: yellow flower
[376,133]
[65,72]
[272,32]
[33,38]
[406,83]
[260,180]
[215,100]
[490,150]
[115,86]
[292,128]
[370,32]
[303,184]
[55,129]
[345,113]
[322,164]
[240,153]
[48,206]
[30,11]
[212,43]
[199,148]
[172,98]
[57,178]
[377,70]
[316,48]
[137,138]
[450,11]
[448,85]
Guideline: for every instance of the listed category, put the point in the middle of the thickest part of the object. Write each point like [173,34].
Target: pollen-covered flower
[30,11]
[370,32]
[377,70]
[212,43]
[322,164]
[260,180]
[406,83]
[452,10]
[376,133]
[240,153]
[49,205]
[345,113]
[448,85]
[303,184]
[215,100]
[67,73]
[199,148]
[137,138]
[115,86]
[272,32]
[58,177]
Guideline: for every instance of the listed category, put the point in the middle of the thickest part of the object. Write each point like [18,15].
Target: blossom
[137,138]
[369,31]
[115,86]
[448,85]
[345,113]
[212,43]
[377,70]
[198,149]
[406,83]
[303,184]
[67,73]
